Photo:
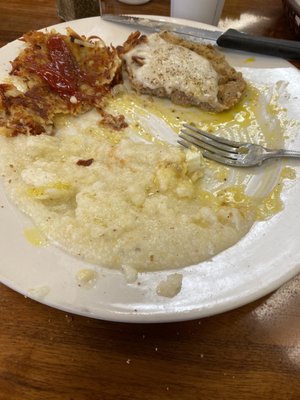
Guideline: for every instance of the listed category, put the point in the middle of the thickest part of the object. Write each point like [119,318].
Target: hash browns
[64,74]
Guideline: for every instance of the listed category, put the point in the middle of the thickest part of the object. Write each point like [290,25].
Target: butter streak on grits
[35,237]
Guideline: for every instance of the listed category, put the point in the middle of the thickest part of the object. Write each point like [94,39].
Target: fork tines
[213,147]
[229,152]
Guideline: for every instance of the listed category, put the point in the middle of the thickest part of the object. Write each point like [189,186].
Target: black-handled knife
[231,38]
[234,39]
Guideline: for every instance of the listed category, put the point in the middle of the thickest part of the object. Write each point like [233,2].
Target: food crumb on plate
[86,277]
[39,293]
[171,286]
[130,273]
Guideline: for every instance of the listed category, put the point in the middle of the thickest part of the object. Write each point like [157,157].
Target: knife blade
[231,38]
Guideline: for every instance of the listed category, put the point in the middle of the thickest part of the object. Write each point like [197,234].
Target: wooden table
[249,353]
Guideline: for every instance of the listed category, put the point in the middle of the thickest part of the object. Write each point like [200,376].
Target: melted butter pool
[242,115]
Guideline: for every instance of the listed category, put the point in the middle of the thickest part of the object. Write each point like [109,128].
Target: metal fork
[229,152]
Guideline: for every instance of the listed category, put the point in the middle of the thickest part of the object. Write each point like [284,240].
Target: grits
[120,203]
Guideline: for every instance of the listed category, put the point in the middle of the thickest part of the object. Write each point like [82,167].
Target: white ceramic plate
[262,261]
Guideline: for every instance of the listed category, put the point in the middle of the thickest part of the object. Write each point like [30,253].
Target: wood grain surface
[249,353]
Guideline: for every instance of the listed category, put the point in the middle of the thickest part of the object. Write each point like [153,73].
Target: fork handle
[282,153]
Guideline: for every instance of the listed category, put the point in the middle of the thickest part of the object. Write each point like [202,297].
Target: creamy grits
[126,200]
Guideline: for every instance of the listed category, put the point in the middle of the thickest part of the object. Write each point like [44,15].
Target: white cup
[207,11]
